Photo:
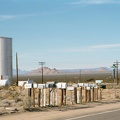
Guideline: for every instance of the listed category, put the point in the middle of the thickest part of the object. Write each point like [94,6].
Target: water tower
[5,58]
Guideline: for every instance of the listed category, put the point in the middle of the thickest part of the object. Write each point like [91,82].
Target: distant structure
[5,58]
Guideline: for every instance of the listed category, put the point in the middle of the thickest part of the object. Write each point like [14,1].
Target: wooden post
[51,96]
[44,97]
[75,95]
[48,96]
[93,94]
[71,97]
[39,97]
[33,97]
[100,94]
[78,95]
[1,77]
[85,95]
[90,95]
[56,97]
[29,92]
[97,93]
[61,97]
[65,96]
[81,95]
[89,92]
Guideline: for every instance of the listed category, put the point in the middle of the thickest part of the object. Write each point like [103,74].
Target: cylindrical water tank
[5,58]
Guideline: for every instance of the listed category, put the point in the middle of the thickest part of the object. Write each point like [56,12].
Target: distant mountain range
[89,69]
[46,70]
[49,71]
[19,71]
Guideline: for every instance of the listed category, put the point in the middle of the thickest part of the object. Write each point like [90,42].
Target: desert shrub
[18,99]
[26,103]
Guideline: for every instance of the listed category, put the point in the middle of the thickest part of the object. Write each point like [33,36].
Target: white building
[5,58]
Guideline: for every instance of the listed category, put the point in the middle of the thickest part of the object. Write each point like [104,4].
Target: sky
[65,34]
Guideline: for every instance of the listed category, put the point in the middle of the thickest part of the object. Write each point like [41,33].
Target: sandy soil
[64,112]
[16,112]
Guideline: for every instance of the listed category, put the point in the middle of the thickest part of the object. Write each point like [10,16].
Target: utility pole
[114,76]
[42,63]
[16,69]
[80,75]
[116,64]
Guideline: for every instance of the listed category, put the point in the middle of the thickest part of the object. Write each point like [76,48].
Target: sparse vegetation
[27,103]
[107,77]
[15,96]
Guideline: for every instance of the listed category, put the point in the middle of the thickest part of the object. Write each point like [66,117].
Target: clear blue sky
[63,33]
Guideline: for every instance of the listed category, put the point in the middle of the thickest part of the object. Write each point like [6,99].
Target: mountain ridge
[49,71]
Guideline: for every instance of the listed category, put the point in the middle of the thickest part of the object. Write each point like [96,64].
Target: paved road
[108,115]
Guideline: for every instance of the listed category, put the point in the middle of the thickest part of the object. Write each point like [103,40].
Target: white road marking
[92,114]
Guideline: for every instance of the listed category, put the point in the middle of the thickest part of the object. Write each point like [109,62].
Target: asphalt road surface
[108,115]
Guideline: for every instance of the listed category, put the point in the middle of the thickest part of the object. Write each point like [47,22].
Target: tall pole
[80,76]
[16,69]
[42,63]
[114,81]
[116,64]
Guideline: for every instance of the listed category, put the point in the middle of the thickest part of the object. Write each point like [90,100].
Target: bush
[26,103]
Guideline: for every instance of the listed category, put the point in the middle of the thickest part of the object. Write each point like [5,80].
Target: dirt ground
[64,112]
[12,107]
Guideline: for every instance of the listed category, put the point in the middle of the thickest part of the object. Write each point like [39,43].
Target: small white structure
[28,85]
[35,85]
[87,88]
[86,84]
[98,81]
[70,88]
[41,86]
[5,58]
[80,84]
[61,85]
[92,85]
[50,84]
[22,83]
[5,82]
[75,85]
